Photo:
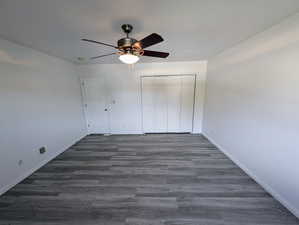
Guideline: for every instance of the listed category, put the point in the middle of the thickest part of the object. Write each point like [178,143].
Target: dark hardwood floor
[141,180]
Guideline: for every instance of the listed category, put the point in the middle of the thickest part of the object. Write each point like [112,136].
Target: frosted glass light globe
[128,58]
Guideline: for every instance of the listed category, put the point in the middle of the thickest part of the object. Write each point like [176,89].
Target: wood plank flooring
[141,180]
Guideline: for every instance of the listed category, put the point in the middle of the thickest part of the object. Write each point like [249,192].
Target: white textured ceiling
[192,29]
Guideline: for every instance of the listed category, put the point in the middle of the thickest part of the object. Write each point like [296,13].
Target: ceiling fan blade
[97,42]
[155,54]
[150,40]
[100,56]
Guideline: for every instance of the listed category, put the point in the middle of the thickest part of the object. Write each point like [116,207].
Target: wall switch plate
[42,150]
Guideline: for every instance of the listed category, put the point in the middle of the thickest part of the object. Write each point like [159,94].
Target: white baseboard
[120,133]
[31,171]
[127,133]
[267,187]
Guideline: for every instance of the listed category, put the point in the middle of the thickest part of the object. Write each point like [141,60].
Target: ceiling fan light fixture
[129,58]
[130,49]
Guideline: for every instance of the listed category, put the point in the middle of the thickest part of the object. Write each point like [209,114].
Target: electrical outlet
[42,150]
[20,162]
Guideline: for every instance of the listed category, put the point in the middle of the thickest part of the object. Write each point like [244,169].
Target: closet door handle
[105,110]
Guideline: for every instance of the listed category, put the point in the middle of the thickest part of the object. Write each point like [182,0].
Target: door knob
[106,110]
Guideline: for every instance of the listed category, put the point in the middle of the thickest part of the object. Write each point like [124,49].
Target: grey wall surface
[40,105]
[252,108]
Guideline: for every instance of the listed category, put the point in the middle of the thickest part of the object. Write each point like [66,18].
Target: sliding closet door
[187,103]
[154,103]
[172,91]
[167,104]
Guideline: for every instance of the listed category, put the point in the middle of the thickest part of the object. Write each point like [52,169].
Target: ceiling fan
[129,49]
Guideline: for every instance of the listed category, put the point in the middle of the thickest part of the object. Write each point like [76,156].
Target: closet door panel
[187,103]
[154,104]
[173,92]
[160,105]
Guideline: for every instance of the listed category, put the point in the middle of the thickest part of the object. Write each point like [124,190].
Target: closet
[168,103]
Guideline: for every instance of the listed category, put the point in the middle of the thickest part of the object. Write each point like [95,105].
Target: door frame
[83,96]
[167,75]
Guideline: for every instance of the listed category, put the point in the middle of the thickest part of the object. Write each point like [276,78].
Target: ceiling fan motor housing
[126,42]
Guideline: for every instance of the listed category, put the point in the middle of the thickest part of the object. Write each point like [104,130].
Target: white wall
[40,104]
[252,108]
[123,85]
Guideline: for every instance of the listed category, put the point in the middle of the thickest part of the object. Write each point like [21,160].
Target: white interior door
[167,103]
[96,108]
